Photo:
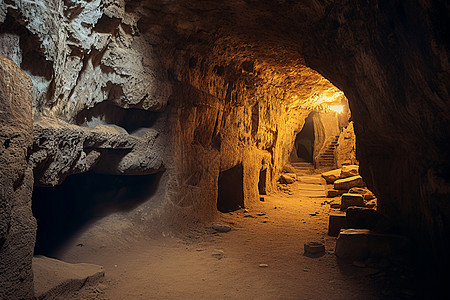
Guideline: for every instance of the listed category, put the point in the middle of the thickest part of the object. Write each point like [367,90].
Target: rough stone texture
[288,178]
[331,176]
[348,200]
[349,182]
[346,149]
[17,225]
[349,171]
[61,149]
[368,195]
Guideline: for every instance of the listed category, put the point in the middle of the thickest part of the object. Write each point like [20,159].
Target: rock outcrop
[17,224]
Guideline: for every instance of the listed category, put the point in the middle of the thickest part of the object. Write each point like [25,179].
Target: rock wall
[17,225]
[346,149]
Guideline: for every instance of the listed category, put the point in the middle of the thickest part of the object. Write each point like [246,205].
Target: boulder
[349,171]
[372,203]
[348,183]
[219,227]
[348,200]
[288,178]
[336,222]
[365,192]
[367,218]
[361,244]
[331,176]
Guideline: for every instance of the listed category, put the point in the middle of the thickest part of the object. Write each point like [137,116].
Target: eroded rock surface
[17,225]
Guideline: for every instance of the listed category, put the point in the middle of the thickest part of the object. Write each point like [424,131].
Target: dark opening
[304,142]
[131,119]
[61,211]
[231,189]
[262,183]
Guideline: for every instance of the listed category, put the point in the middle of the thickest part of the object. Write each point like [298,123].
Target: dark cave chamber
[231,189]
[62,211]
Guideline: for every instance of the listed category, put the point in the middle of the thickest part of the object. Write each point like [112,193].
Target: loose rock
[348,183]
[314,249]
[221,227]
[288,178]
[217,253]
[331,176]
[349,171]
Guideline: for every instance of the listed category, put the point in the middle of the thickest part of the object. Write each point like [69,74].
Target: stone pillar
[17,224]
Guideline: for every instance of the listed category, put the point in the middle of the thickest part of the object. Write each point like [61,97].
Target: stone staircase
[325,158]
[302,167]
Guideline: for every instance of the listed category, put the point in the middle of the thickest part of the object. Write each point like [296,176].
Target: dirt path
[272,232]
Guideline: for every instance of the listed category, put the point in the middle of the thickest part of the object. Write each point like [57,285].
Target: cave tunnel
[149,146]
[304,142]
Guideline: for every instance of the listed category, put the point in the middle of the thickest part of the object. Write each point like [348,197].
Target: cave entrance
[304,142]
[262,183]
[231,189]
[65,210]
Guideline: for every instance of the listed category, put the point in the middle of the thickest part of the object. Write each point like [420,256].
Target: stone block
[367,194]
[361,244]
[349,171]
[331,176]
[348,200]
[288,178]
[336,222]
[348,183]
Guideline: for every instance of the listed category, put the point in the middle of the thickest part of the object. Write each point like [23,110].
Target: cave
[63,210]
[168,149]
[231,189]
[304,142]
[262,182]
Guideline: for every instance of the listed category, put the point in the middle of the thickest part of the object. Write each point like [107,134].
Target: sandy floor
[272,232]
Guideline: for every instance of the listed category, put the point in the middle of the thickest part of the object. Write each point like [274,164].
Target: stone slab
[335,193]
[331,176]
[348,183]
[349,171]
[53,277]
[312,180]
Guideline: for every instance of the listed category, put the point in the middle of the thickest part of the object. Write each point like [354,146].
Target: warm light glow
[337,108]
